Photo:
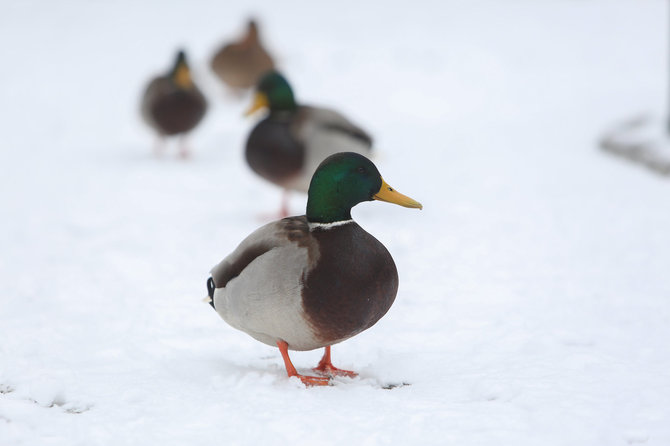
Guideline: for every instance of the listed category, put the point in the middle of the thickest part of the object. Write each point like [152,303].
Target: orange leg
[283,210]
[291,371]
[327,368]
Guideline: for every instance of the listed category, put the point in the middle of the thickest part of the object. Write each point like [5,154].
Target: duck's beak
[260,101]
[390,195]
[182,76]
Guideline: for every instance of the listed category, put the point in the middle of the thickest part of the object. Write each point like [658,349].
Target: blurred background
[533,303]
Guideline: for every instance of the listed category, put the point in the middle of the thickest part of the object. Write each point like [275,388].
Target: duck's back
[324,132]
[241,65]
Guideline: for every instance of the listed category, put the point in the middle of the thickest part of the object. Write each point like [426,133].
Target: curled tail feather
[210,291]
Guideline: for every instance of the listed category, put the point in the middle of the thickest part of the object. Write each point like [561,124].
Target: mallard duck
[240,64]
[172,104]
[307,282]
[287,146]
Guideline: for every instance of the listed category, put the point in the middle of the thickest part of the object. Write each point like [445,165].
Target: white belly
[265,299]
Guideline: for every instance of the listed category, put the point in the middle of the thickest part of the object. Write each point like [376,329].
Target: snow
[533,304]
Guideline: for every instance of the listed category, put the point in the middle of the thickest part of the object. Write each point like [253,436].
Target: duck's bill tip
[260,102]
[388,194]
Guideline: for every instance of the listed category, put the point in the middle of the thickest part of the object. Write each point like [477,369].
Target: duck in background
[307,282]
[173,105]
[288,145]
[240,64]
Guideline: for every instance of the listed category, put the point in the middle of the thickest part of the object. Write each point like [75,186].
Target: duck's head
[341,182]
[252,30]
[274,92]
[181,73]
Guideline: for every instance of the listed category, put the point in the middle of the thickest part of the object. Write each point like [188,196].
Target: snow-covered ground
[534,301]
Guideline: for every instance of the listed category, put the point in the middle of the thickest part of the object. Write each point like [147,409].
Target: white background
[534,300]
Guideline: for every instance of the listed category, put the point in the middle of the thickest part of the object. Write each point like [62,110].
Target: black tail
[210,291]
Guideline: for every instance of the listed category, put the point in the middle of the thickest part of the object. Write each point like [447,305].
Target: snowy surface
[534,301]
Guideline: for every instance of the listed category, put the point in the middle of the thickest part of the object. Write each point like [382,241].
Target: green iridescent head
[274,92]
[341,182]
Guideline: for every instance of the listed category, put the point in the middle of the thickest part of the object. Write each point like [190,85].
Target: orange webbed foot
[334,371]
[326,367]
[291,371]
[313,381]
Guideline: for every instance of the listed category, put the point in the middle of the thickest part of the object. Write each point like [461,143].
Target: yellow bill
[390,195]
[260,101]
[182,76]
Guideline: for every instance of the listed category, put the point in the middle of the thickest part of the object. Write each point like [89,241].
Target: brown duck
[172,104]
[240,64]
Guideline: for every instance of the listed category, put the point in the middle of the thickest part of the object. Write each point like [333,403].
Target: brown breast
[353,284]
[273,152]
[178,111]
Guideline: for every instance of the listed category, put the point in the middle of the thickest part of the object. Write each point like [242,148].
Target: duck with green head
[172,104]
[288,145]
[307,282]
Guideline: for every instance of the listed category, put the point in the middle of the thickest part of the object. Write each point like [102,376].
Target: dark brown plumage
[341,298]
[273,152]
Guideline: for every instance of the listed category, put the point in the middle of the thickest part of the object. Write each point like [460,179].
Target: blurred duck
[288,145]
[172,104]
[240,64]
[307,282]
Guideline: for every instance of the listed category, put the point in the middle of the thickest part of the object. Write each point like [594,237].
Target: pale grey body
[324,132]
[265,299]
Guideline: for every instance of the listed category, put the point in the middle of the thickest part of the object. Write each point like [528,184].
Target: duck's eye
[361,169]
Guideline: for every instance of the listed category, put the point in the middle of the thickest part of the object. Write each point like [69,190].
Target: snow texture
[534,300]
